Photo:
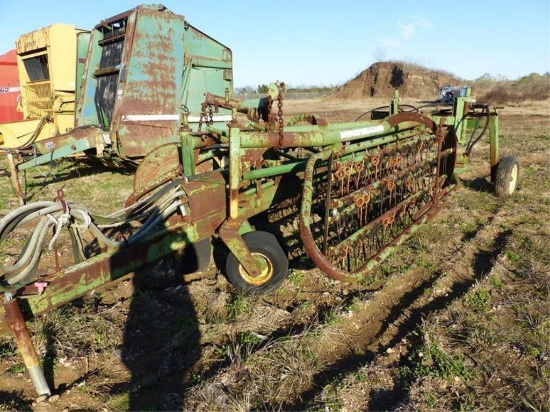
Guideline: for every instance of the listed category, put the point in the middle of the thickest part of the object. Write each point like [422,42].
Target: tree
[379,54]
[263,88]
[244,90]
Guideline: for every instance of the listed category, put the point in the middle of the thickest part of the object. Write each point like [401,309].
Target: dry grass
[460,321]
[533,87]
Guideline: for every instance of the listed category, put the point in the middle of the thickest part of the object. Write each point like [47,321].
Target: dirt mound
[380,80]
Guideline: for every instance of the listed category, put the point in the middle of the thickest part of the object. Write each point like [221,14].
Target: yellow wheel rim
[513,179]
[265,274]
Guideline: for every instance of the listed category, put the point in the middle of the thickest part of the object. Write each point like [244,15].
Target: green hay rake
[358,189]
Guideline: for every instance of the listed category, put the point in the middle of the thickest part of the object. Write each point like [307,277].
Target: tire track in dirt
[277,317]
[399,307]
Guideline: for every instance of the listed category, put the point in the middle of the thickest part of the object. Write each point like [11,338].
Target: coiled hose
[149,213]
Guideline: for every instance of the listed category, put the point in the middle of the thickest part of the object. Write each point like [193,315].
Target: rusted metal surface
[16,323]
[146,113]
[375,198]
[144,82]
[229,233]
[90,134]
[160,166]
[403,117]
[207,196]
[157,83]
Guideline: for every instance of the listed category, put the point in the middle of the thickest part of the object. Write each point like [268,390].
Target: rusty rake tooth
[375,161]
[348,172]
[358,169]
[359,212]
[403,212]
[364,247]
[409,184]
[344,254]
[340,175]
[390,186]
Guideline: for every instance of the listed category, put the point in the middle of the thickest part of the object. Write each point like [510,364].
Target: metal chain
[207,118]
[203,114]
[280,114]
[269,107]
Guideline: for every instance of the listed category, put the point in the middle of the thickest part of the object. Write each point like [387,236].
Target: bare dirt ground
[457,319]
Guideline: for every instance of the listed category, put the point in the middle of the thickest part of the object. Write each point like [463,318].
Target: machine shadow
[479,184]
[161,339]
[14,401]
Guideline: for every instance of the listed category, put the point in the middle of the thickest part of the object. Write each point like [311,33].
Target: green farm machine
[159,93]
[143,70]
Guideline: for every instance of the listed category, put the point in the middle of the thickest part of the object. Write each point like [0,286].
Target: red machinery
[9,88]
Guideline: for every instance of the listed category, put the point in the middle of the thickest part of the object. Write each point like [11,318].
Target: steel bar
[16,322]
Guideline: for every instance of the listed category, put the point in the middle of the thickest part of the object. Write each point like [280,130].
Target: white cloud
[422,22]
[391,43]
[408,29]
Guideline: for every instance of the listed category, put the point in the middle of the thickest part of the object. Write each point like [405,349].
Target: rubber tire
[197,257]
[447,165]
[203,253]
[266,244]
[507,171]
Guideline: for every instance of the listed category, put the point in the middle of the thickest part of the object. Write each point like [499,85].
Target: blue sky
[326,43]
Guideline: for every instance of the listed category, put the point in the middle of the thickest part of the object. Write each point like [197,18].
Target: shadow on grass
[14,401]
[161,338]
[66,170]
[483,262]
[479,184]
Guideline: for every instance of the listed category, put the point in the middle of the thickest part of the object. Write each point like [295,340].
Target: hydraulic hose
[370,111]
[411,109]
[472,142]
[148,213]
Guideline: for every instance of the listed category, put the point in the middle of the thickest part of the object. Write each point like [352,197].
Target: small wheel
[197,257]
[203,253]
[268,253]
[507,176]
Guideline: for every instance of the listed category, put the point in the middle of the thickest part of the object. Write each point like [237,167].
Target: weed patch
[429,359]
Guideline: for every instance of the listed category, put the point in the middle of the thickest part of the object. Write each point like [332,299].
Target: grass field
[456,319]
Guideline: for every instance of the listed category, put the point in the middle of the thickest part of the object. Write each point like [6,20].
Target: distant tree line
[264,88]
[502,90]
[488,87]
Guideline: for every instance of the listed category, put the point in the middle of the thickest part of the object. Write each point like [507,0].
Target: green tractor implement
[143,72]
[357,189]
